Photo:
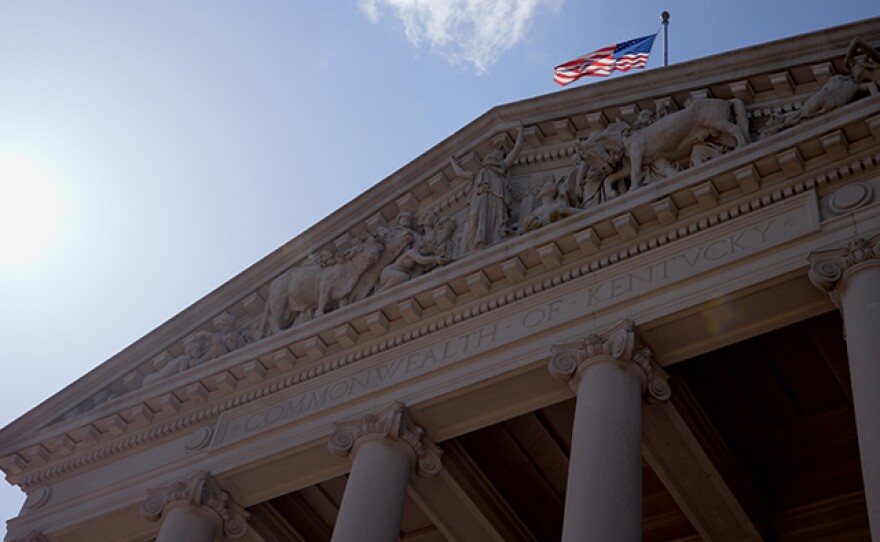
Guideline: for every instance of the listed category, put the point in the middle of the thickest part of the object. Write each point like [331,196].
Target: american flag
[622,57]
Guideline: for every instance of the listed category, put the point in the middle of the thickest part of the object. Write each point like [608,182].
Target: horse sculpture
[619,150]
[674,136]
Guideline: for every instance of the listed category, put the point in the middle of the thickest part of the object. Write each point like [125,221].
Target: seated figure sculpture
[862,76]
[192,354]
[552,207]
[404,267]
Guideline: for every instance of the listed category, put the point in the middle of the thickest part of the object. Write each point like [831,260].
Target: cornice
[547,112]
[777,168]
[573,265]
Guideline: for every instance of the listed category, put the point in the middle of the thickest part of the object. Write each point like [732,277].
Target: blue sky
[173,144]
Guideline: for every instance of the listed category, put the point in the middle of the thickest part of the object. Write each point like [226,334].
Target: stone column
[195,510]
[851,276]
[609,373]
[385,447]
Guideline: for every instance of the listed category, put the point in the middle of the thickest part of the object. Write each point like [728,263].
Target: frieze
[490,200]
[15,465]
[731,242]
[250,310]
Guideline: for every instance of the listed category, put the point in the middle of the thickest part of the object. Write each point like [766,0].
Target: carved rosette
[827,267]
[392,423]
[199,490]
[620,344]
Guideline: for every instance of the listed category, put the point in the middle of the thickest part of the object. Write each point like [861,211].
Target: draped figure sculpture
[488,214]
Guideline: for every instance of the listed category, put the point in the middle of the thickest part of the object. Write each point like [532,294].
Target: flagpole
[665,18]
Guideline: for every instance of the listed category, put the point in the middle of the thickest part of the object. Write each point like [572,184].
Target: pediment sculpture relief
[488,214]
[860,78]
[554,206]
[307,292]
[624,157]
[492,203]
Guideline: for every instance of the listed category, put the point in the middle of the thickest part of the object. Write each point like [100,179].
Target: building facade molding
[224,334]
[16,466]
[519,294]
[450,327]
[392,423]
[200,490]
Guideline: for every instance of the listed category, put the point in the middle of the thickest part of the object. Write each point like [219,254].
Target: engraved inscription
[672,264]
[401,368]
[685,264]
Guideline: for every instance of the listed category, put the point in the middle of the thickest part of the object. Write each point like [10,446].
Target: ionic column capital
[828,267]
[199,490]
[392,423]
[618,345]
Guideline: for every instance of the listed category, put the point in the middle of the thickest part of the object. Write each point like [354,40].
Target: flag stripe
[601,63]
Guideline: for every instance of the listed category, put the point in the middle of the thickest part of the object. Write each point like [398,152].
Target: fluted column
[385,448]
[609,373]
[195,510]
[851,276]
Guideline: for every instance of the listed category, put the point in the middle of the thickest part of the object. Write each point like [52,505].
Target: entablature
[240,362]
[502,274]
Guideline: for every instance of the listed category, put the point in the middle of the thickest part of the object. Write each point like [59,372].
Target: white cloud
[477,32]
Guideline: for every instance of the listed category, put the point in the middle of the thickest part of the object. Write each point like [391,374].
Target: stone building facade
[615,312]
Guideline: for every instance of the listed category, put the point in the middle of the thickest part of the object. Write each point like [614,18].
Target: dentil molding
[392,423]
[620,345]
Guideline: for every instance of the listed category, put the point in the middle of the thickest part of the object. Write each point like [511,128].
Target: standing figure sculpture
[488,215]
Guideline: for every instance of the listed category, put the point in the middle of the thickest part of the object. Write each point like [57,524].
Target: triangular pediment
[521,191]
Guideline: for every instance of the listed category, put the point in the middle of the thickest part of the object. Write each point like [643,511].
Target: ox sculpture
[307,292]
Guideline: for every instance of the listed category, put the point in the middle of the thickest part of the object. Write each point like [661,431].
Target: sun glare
[30,211]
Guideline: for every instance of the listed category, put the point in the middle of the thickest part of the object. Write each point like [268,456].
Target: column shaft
[372,506]
[188,523]
[860,300]
[603,500]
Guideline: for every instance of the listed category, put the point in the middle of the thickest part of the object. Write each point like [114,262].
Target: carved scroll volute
[619,345]
[828,267]
[392,423]
[199,490]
